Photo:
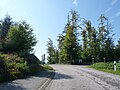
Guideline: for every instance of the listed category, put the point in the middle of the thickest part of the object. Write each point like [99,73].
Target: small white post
[114,65]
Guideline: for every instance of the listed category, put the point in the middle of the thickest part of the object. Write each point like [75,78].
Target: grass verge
[47,67]
[106,67]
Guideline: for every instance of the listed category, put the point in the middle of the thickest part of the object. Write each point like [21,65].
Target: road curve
[74,77]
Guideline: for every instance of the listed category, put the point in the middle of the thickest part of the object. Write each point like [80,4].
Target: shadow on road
[62,76]
[19,83]
[42,74]
[11,86]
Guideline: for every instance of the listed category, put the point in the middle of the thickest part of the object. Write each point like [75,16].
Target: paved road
[68,77]
[31,83]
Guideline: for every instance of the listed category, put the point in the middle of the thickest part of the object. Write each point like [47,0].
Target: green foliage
[107,67]
[5,26]
[96,44]
[87,35]
[4,29]
[12,66]
[20,38]
[43,59]
[105,39]
[117,50]
[46,67]
[17,41]
[68,42]
[52,53]
[33,62]
[103,65]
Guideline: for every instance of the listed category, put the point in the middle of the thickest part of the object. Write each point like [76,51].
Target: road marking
[45,84]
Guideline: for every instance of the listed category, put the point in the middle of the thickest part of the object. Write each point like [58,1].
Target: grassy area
[46,67]
[106,67]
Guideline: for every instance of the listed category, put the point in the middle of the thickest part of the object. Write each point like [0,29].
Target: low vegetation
[47,67]
[12,67]
[107,67]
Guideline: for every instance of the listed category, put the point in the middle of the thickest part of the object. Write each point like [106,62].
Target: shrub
[12,67]
[33,62]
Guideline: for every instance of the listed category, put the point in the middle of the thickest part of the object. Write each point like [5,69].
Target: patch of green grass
[47,67]
[106,67]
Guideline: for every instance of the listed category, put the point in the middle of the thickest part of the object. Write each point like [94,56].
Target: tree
[43,59]
[4,29]
[87,41]
[56,55]
[117,50]
[20,38]
[89,32]
[94,45]
[97,44]
[101,36]
[84,47]
[60,40]
[109,49]
[51,52]
[105,38]
[68,43]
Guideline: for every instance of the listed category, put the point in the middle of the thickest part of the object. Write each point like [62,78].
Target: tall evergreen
[69,52]
[20,39]
[4,29]
[97,44]
[89,42]
[105,38]
[84,46]
[51,52]
[117,50]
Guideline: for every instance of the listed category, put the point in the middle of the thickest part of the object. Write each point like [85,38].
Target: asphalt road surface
[74,77]
[32,83]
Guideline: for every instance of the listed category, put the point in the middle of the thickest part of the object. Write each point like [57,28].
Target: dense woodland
[81,43]
[16,49]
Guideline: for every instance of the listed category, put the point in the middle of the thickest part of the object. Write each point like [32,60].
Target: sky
[48,17]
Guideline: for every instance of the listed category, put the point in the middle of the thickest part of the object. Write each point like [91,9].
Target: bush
[33,62]
[12,67]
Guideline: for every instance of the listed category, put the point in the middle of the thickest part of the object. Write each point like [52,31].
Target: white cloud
[107,10]
[75,2]
[117,14]
[113,2]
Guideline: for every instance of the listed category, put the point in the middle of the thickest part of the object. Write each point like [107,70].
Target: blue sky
[48,17]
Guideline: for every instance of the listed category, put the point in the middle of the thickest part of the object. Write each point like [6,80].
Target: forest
[82,43]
